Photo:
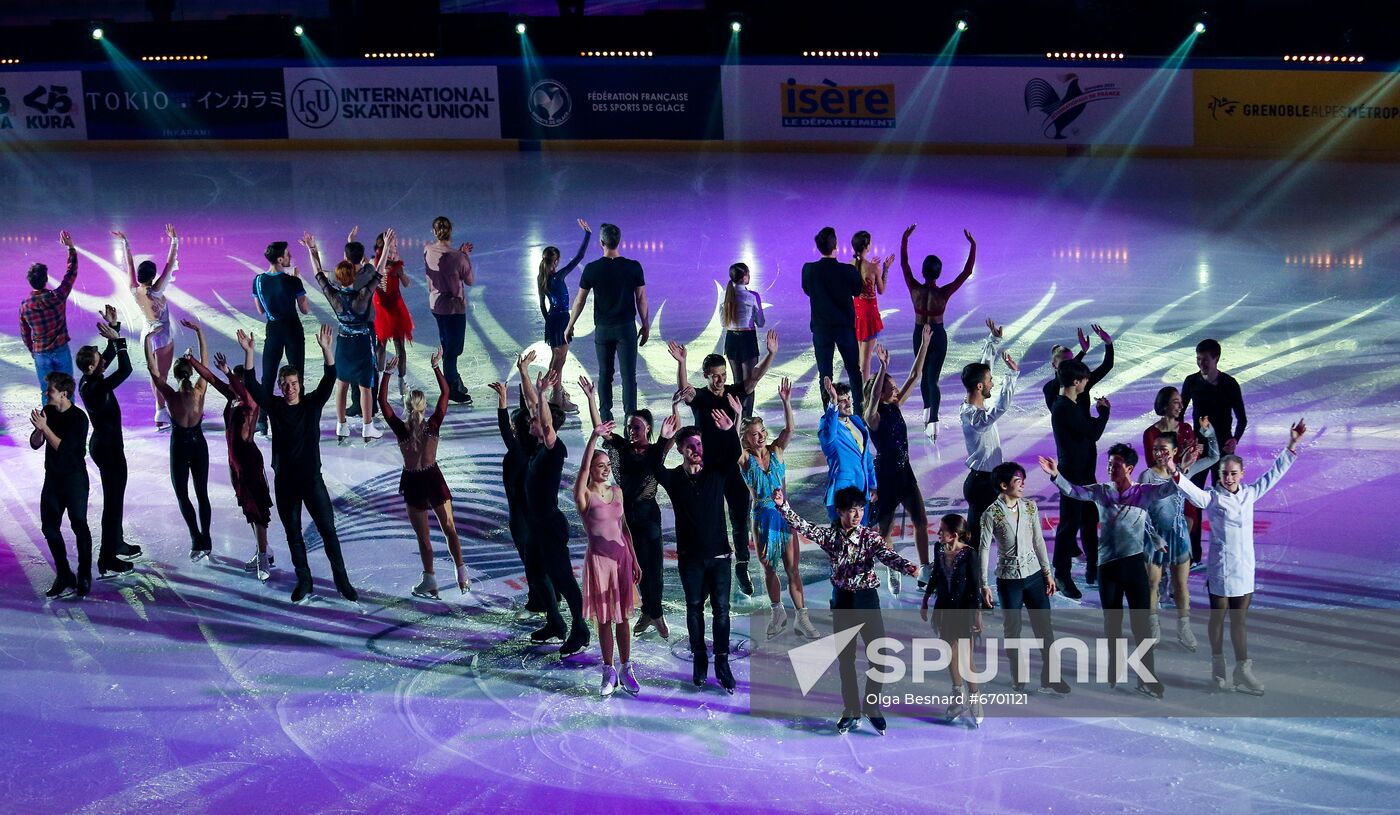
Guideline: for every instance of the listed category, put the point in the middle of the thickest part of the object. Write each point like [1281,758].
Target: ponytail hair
[548,261]
[417,405]
[730,313]
[859,243]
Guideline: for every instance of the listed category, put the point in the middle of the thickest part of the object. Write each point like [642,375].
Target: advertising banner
[643,101]
[185,103]
[439,102]
[41,105]
[1284,109]
[983,105]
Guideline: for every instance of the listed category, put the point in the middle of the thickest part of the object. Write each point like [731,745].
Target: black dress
[958,596]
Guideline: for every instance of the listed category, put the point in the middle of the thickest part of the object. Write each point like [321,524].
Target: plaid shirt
[853,553]
[43,317]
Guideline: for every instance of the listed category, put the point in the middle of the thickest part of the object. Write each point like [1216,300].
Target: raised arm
[872,405]
[678,353]
[586,463]
[1096,376]
[199,333]
[785,394]
[586,385]
[326,339]
[542,412]
[992,344]
[564,270]
[386,409]
[967,267]
[1212,454]
[913,378]
[256,390]
[1285,460]
[822,536]
[762,367]
[390,245]
[527,386]
[167,275]
[440,409]
[207,376]
[904,259]
[1052,468]
[126,255]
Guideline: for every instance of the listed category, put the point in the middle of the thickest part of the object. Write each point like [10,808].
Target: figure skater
[61,428]
[873,276]
[245,460]
[855,598]
[890,437]
[1229,506]
[552,283]
[765,472]
[742,315]
[148,289]
[610,568]
[189,452]
[422,486]
[930,302]
[957,611]
[392,321]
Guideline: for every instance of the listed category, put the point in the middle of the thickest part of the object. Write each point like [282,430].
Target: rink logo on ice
[549,103]
[1062,108]
[831,105]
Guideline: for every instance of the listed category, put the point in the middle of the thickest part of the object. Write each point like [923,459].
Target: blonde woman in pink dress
[610,568]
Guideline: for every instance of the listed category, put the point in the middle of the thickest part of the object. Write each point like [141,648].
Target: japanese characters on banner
[438,102]
[41,105]
[612,102]
[1355,110]
[958,105]
[185,103]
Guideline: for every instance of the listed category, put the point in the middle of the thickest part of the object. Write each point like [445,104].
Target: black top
[631,470]
[71,427]
[296,429]
[278,293]
[1052,388]
[958,587]
[1076,437]
[831,285]
[613,282]
[100,397]
[1222,402]
[698,500]
[891,440]
[542,477]
[513,465]
[704,402]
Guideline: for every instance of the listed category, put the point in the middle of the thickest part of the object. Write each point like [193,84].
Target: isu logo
[831,105]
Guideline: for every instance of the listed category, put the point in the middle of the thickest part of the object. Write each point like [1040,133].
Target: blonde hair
[745,425]
[345,273]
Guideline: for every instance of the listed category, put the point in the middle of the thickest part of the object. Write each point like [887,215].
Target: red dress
[391,318]
[245,461]
[868,322]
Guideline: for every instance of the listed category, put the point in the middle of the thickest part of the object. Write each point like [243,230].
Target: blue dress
[1168,514]
[770,529]
[556,318]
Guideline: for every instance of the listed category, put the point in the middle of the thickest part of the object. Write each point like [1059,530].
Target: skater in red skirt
[392,321]
[872,278]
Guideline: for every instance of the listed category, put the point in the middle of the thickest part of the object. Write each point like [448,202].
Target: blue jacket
[846,465]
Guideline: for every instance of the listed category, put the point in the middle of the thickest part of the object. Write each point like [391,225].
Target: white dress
[1231,566]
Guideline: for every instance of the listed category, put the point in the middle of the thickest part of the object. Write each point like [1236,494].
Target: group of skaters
[1140,530]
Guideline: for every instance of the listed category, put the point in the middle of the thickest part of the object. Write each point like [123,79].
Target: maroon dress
[245,460]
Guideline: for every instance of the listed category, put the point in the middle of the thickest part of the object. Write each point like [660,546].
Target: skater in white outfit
[149,290]
[1229,506]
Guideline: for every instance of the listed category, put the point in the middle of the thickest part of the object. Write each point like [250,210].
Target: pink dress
[608,590]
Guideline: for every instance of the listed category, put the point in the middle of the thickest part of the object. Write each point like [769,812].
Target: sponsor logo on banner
[831,105]
[550,103]
[440,102]
[1062,107]
[1283,109]
[41,106]
[198,103]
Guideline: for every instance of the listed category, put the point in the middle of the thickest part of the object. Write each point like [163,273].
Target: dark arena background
[1167,172]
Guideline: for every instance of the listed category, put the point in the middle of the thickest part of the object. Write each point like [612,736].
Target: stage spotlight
[97,33]
[962,25]
[736,26]
[520,28]
[298,30]
[1200,28]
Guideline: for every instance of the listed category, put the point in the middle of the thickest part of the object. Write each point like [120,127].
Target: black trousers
[452,333]
[826,341]
[616,347]
[189,459]
[736,497]
[1077,519]
[537,596]
[1126,578]
[549,538]
[295,489]
[1028,593]
[979,490]
[644,520]
[283,336]
[111,466]
[66,493]
[933,366]
[851,608]
[706,579]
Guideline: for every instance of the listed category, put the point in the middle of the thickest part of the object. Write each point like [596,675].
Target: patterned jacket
[1020,546]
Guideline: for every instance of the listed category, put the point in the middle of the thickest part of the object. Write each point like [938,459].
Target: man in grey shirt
[1123,539]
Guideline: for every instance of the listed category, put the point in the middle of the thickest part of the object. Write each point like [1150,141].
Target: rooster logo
[1061,111]
[550,104]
